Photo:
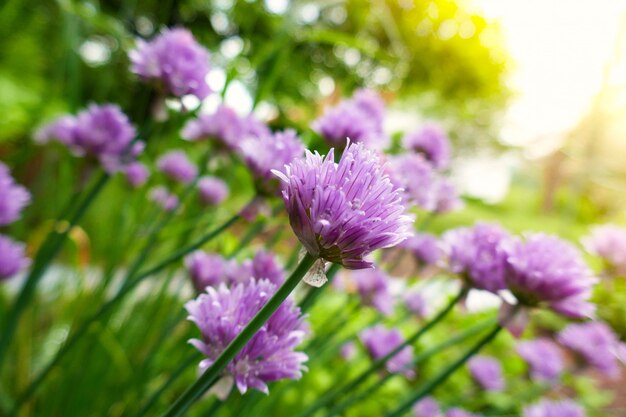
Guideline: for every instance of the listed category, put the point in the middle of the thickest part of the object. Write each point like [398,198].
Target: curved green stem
[211,375]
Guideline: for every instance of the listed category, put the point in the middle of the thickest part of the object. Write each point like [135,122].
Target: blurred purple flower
[371,103]
[212,191]
[224,126]
[424,247]
[373,288]
[596,343]
[348,351]
[547,408]
[266,266]
[162,197]
[177,166]
[417,178]
[457,412]
[427,407]
[543,357]
[476,254]
[380,341]
[175,60]
[136,174]
[13,197]
[343,211]
[270,355]
[432,142]
[544,270]
[487,372]
[416,303]
[447,197]
[12,257]
[608,242]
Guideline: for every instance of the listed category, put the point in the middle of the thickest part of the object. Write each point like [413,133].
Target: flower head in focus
[609,243]
[177,166]
[487,372]
[543,357]
[12,258]
[373,288]
[432,142]
[13,197]
[174,60]
[547,408]
[544,270]
[380,341]
[343,211]
[427,407]
[212,191]
[221,313]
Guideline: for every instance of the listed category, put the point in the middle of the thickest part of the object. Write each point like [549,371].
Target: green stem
[379,363]
[311,296]
[442,376]
[48,250]
[211,375]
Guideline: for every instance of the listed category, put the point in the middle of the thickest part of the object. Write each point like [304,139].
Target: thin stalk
[211,375]
[442,376]
[331,395]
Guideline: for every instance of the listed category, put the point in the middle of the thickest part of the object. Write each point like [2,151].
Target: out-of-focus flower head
[416,303]
[262,154]
[163,198]
[177,166]
[373,288]
[265,266]
[417,178]
[359,119]
[343,211]
[457,412]
[609,243]
[432,142]
[543,357]
[487,372]
[12,257]
[547,408]
[476,254]
[447,197]
[427,407]
[544,270]
[380,341]
[221,313]
[175,61]
[348,350]
[424,247]
[212,191]
[596,344]
[224,127]
[136,174]
[13,197]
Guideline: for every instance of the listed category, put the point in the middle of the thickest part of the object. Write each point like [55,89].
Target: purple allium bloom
[416,303]
[343,211]
[417,178]
[427,407]
[177,166]
[266,266]
[545,270]
[380,341]
[348,350]
[13,197]
[262,154]
[432,142]
[224,126]
[206,269]
[596,343]
[175,60]
[136,174]
[12,257]
[424,247]
[487,372]
[547,408]
[543,357]
[608,242]
[446,197]
[222,313]
[61,129]
[475,253]
[212,190]
[166,200]
[457,412]
[371,103]
[373,287]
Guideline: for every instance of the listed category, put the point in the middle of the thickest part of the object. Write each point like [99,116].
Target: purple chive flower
[136,174]
[270,355]
[224,126]
[416,303]
[62,129]
[373,288]
[380,341]
[343,211]
[547,408]
[427,407]
[177,166]
[266,266]
[431,142]
[487,372]
[166,200]
[13,197]
[457,412]
[596,344]
[212,191]
[417,178]
[206,269]
[543,357]
[12,257]
[174,60]
[446,197]
[545,270]
[348,351]
[424,247]
[262,154]
[371,103]
[476,254]
[609,243]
